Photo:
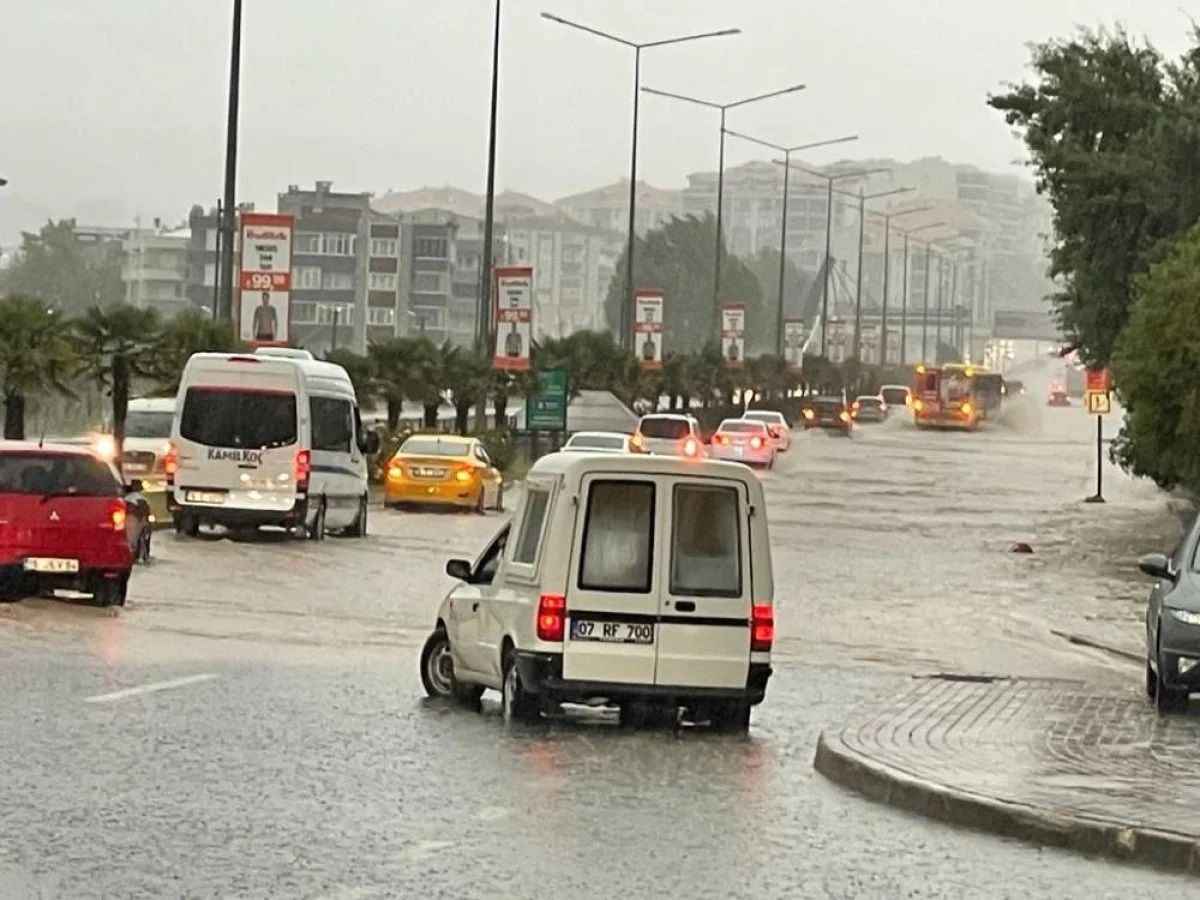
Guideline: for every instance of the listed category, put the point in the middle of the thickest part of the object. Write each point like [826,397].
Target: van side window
[618,537]
[531,526]
[331,424]
[706,558]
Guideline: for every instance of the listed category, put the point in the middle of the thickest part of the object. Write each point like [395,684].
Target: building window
[210,274]
[382,281]
[337,281]
[429,282]
[306,278]
[337,244]
[308,242]
[383,246]
[303,313]
[325,313]
[381,315]
[430,248]
[430,317]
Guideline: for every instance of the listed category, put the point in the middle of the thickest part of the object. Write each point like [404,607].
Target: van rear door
[707,586]
[612,596]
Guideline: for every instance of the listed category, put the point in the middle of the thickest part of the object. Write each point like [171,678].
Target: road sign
[1098,381]
[547,410]
[1097,403]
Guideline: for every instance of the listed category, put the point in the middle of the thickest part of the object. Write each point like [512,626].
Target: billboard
[839,335]
[514,318]
[648,328]
[264,314]
[869,343]
[893,346]
[794,335]
[733,333]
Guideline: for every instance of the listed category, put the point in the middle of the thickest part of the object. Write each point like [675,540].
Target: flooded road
[252,723]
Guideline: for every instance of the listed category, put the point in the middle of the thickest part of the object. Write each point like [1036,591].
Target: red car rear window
[56,473]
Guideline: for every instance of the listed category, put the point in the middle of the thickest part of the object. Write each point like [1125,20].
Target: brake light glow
[171,462]
[302,468]
[809,414]
[845,416]
[690,447]
[637,443]
[967,409]
[918,405]
[721,438]
[551,617]
[762,625]
[756,442]
[117,515]
[463,475]
[395,471]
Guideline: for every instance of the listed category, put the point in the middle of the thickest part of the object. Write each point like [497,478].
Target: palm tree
[361,370]
[117,344]
[35,357]
[468,376]
[192,331]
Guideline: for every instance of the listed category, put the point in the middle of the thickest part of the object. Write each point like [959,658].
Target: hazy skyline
[116,110]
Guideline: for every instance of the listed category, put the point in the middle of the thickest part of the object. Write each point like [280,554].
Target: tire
[187,525]
[317,531]
[359,526]
[437,665]
[500,499]
[1151,680]
[110,591]
[516,704]
[732,717]
[633,715]
[479,506]
[1168,699]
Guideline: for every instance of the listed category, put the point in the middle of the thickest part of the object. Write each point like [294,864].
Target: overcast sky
[116,109]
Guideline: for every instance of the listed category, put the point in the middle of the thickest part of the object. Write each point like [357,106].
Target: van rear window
[219,417]
[56,473]
[671,429]
[706,559]
[617,537]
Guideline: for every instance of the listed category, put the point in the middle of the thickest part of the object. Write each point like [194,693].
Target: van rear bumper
[240,516]
[541,673]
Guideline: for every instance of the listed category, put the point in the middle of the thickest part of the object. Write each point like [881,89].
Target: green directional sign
[547,409]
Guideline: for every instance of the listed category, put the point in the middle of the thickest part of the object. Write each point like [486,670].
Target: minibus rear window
[220,417]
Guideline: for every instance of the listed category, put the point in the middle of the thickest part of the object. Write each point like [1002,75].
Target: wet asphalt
[290,752]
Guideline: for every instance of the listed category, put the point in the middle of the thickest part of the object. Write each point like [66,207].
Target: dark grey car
[1173,625]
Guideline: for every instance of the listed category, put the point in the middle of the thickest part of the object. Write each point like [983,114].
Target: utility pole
[217,267]
[904,309]
[229,211]
[483,316]
[862,215]
[925,310]
[826,269]
[937,343]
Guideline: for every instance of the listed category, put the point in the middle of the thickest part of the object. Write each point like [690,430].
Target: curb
[1117,840]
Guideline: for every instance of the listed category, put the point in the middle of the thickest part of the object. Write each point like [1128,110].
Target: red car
[62,523]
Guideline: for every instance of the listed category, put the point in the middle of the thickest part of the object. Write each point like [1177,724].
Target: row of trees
[1113,131]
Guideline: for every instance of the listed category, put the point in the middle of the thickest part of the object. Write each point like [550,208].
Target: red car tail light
[775,430]
[303,468]
[117,515]
[762,628]
[721,438]
[756,442]
[551,617]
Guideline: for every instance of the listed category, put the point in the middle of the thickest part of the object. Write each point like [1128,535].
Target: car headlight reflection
[1186,616]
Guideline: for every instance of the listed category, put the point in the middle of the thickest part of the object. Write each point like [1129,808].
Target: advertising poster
[893,346]
[514,318]
[733,334]
[794,336]
[266,279]
[648,328]
[869,340]
[839,337]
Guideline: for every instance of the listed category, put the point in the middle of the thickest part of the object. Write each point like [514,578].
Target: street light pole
[887,260]
[231,145]
[624,320]
[483,326]
[937,343]
[723,108]
[904,302]
[925,310]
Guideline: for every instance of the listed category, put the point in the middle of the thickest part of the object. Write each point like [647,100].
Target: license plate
[612,632]
[739,451]
[51,565]
[204,497]
[135,468]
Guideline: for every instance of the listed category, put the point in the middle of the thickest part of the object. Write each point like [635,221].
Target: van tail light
[762,628]
[303,469]
[551,617]
[117,515]
[171,463]
[690,447]
[756,442]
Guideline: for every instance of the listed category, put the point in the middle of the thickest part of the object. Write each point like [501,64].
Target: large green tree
[761,330]
[1113,132]
[190,331]
[64,272]
[1155,366]
[35,357]
[678,260]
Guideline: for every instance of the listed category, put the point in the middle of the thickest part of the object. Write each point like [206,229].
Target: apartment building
[155,268]
[607,208]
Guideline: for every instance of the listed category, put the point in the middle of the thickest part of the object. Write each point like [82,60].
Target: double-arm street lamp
[887,259]
[787,156]
[862,216]
[625,322]
[904,294]
[723,108]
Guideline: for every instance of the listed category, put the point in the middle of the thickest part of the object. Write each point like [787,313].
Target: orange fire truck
[956,395]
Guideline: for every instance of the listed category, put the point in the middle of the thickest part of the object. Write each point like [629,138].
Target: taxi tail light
[117,515]
[464,474]
[551,617]
[756,442]
[395,471]
[302,469]
[171,463]
[762,625]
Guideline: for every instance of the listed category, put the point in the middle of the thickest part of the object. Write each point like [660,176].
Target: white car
[896,396]
[599,442]
[669,434]
[743,440]
[268,438]
[625,580]
[777,425]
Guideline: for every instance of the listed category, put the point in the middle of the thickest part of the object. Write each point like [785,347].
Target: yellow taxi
[443,470]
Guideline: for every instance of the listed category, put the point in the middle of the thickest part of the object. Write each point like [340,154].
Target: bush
[500,447]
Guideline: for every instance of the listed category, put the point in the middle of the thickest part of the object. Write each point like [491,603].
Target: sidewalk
[1044,760]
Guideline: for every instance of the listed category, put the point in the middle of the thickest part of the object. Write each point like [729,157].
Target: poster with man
[265,279]
[648,328]
[794,336]
[893,346]
[838,335]
[733,334]
[869,341]
[514,318]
